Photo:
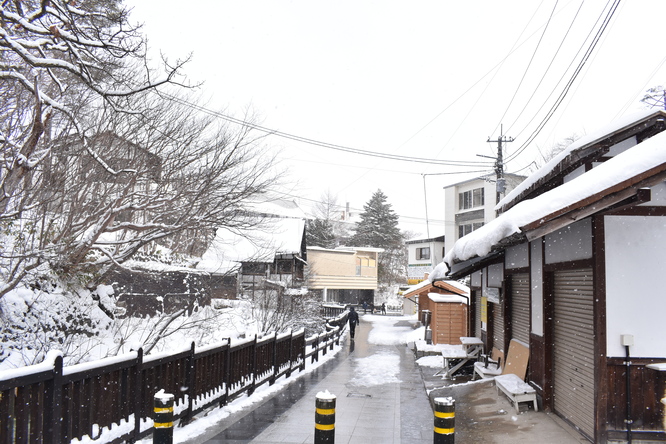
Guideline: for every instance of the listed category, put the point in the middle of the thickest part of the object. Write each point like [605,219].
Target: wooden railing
[49,403]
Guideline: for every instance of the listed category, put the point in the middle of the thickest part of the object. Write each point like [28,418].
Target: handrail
[48,403]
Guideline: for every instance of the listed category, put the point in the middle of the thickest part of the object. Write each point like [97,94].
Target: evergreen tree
[319,233]
[378,228]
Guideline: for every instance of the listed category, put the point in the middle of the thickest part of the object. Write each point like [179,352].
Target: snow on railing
[113,397]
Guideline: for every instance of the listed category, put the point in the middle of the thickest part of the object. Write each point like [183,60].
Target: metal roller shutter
[520,307]
[477,314]
[573,348]
[498,326]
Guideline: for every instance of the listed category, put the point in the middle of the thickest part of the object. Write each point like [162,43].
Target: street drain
[358,395]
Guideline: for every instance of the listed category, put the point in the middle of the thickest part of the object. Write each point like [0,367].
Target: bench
[512,380]
[516,390]
[489,367]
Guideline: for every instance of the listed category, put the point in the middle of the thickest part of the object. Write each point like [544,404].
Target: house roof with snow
[618,181]
[449,286]
[348,250]
[280,232]
[590,147]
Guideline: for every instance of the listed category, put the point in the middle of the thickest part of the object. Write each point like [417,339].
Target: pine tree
[320,233]
[378,228]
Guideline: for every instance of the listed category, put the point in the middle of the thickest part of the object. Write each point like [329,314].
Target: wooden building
[346,275]
[572,266]
[443,308]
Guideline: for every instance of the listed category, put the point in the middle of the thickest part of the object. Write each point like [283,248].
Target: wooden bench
[512,380]
[489,366]
[516,390]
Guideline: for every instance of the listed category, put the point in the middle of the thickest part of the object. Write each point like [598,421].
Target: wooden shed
[443,308]
[449,318]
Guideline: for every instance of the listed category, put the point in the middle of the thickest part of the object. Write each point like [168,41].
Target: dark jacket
[353,317]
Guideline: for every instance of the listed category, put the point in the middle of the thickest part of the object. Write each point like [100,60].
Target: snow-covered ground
[36,322]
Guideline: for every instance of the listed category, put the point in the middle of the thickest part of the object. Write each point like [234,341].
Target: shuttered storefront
[477,313]
[520,307]
[498,326]
[573,348]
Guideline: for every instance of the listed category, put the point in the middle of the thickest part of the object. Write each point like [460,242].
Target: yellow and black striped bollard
[163,418]
[445,416]
[325,418]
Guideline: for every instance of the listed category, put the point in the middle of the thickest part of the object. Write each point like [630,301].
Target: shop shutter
[573,348]
[520,307]
[477,313]
[498,326]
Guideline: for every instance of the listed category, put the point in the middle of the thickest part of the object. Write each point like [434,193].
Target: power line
[567,87]
[456,163]
[523,108]
[536,49]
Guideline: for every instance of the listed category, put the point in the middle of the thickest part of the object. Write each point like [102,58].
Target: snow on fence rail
[48,403]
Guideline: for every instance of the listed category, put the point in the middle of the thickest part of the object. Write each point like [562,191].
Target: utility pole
[499,164]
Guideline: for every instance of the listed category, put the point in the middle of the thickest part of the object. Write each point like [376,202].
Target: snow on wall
[635,295]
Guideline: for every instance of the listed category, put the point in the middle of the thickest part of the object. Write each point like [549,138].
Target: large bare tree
[101,157]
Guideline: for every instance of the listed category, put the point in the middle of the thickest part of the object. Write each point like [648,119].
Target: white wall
[571,243]
[536,281]
[517,257]
[635,294]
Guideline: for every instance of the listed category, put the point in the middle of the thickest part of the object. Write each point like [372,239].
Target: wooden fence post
[291,357]
[190,377]
[138,394]
[227,372]
[276,366]
[53,405]
[253,364]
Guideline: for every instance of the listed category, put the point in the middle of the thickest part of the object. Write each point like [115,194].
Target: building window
[470,199]
[465,229]
[423,253]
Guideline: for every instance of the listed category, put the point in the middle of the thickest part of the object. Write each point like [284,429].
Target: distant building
[271,255]
[469,205]
[423,255]
[346,275]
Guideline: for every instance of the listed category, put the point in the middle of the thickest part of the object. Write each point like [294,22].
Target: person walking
[353,321]
[384,308]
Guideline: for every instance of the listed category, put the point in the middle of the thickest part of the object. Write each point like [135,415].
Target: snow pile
[385,332]
[380,368]
[36,321]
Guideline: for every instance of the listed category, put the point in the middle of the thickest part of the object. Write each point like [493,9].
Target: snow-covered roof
[348,250]
[585,141]
[437,297]
[452,286]
[626,170]
[279,233]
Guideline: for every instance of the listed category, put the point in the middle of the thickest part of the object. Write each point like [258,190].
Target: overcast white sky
[427,79]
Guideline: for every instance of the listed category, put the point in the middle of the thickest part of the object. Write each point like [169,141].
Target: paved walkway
[367,409]
[387,403]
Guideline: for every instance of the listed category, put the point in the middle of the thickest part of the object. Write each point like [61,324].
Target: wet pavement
[365,412]
[396,411]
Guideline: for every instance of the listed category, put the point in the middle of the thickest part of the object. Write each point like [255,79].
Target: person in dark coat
[353,321]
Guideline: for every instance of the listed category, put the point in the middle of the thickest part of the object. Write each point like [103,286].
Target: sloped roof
[587,148]
[281,232]
[617,180]
[453,287]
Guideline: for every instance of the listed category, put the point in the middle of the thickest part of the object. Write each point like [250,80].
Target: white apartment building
[471,204]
